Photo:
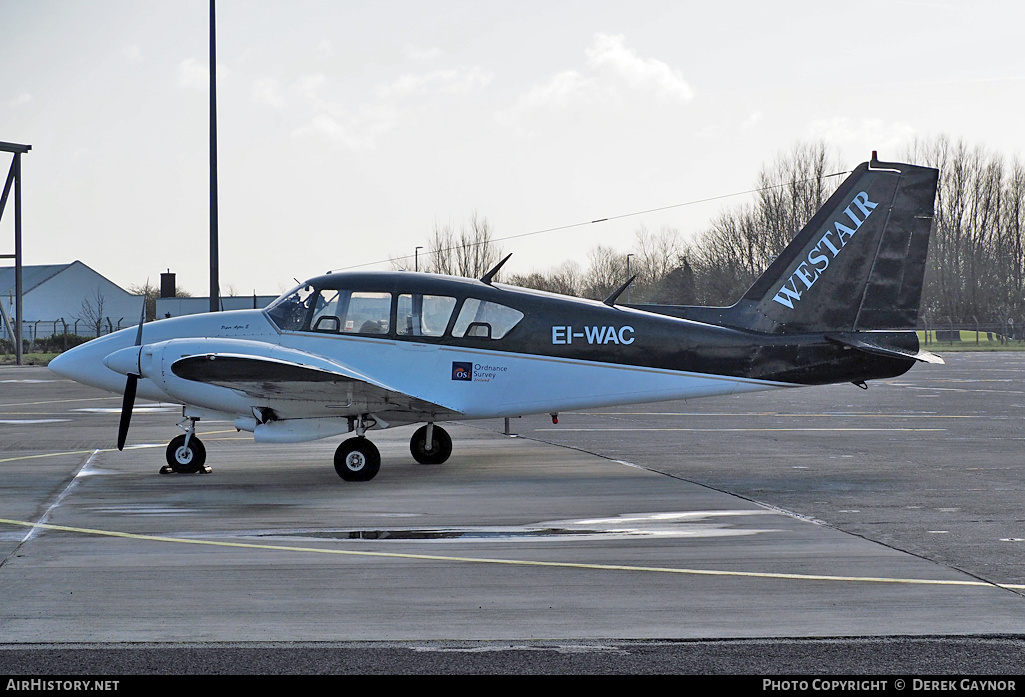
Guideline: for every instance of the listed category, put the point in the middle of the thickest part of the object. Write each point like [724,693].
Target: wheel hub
[355,461]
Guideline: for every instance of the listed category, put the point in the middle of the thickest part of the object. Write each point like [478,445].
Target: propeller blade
[142,317]
[130,385]
[126,410]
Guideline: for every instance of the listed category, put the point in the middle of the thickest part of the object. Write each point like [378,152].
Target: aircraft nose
[125,361]
[75,364]
[85,364]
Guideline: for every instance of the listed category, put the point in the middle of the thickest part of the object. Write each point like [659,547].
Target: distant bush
[49,344]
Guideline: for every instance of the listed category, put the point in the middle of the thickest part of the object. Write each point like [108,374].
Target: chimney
[167,284]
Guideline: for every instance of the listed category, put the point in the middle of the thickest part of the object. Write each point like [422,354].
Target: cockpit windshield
[290,310]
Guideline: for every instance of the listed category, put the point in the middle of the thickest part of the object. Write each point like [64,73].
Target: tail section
[859,264]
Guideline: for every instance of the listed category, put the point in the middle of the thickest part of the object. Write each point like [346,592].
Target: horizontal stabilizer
[874,342]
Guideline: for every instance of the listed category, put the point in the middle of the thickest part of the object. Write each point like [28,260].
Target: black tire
[357,460]
[440,450]
[186,460]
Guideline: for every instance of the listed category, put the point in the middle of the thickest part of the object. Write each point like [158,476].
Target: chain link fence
[55,336]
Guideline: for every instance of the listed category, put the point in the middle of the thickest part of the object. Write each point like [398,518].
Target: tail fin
[858,265]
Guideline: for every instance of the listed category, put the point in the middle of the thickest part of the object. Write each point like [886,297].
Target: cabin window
[367,313]
[480,319]
[423,315]
[290,310]
[328,311]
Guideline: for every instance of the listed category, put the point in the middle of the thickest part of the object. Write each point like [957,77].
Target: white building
[176,307]
[68,293]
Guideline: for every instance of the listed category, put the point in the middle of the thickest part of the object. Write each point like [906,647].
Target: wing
[340,390]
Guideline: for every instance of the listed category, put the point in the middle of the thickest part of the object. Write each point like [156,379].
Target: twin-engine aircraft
[351,352]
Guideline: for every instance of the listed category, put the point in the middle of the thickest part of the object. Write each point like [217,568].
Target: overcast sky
[347,130]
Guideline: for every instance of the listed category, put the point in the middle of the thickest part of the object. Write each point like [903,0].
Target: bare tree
[91,311]
[564,279]
[607,271]
[471,254]
[151,294]
[976,266]
[744,240]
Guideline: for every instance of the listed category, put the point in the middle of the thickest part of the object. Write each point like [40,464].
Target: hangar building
[72,292]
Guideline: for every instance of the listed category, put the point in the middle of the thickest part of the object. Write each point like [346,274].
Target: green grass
[28,358]
[970,341]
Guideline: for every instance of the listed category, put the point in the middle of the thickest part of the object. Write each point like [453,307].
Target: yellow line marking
[513,562]
[113,450]
[721,430]
[57,401]
[837,415]
[66,452]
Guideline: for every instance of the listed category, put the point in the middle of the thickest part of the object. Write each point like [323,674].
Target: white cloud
[21,100]
[195,75]
[422,54]
[452,81]
[192,74]
[131,53]
[751,121]
[860,137]
[268,91]
[612,72]
[316,102]
[309,86]
[356,132]
[610,52]
[563,89]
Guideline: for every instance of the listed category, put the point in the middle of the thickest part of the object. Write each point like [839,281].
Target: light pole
[215,290]
[416,258]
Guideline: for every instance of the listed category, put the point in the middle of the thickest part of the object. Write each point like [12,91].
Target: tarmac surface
[815,530]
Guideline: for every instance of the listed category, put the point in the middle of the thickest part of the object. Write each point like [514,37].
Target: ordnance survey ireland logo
[462,371]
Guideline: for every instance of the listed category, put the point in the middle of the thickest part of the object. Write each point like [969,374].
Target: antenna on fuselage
[611,300]
[486,278]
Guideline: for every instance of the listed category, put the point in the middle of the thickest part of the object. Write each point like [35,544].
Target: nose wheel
[357,460]
[186,454]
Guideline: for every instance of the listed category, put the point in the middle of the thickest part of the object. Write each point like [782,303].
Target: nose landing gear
[186,454]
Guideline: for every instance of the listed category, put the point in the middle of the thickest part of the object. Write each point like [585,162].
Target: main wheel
[440,450]
[357,460]
[186,460]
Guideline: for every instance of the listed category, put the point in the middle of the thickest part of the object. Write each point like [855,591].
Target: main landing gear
[186,453]
[430,445]
[358,460]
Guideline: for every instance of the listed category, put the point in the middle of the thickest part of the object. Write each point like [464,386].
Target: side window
[485,320]
[367,313]
[423,315]
[327,312]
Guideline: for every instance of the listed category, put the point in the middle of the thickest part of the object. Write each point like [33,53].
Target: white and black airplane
[353,351]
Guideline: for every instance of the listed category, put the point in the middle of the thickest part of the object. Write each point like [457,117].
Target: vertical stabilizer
[858,265]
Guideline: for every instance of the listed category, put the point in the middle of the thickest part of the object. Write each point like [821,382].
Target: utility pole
[416,258]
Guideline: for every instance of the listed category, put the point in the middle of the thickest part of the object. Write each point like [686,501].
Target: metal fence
[57,334]
[1003,333]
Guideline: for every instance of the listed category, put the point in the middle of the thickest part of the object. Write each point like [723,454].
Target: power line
[604,220]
